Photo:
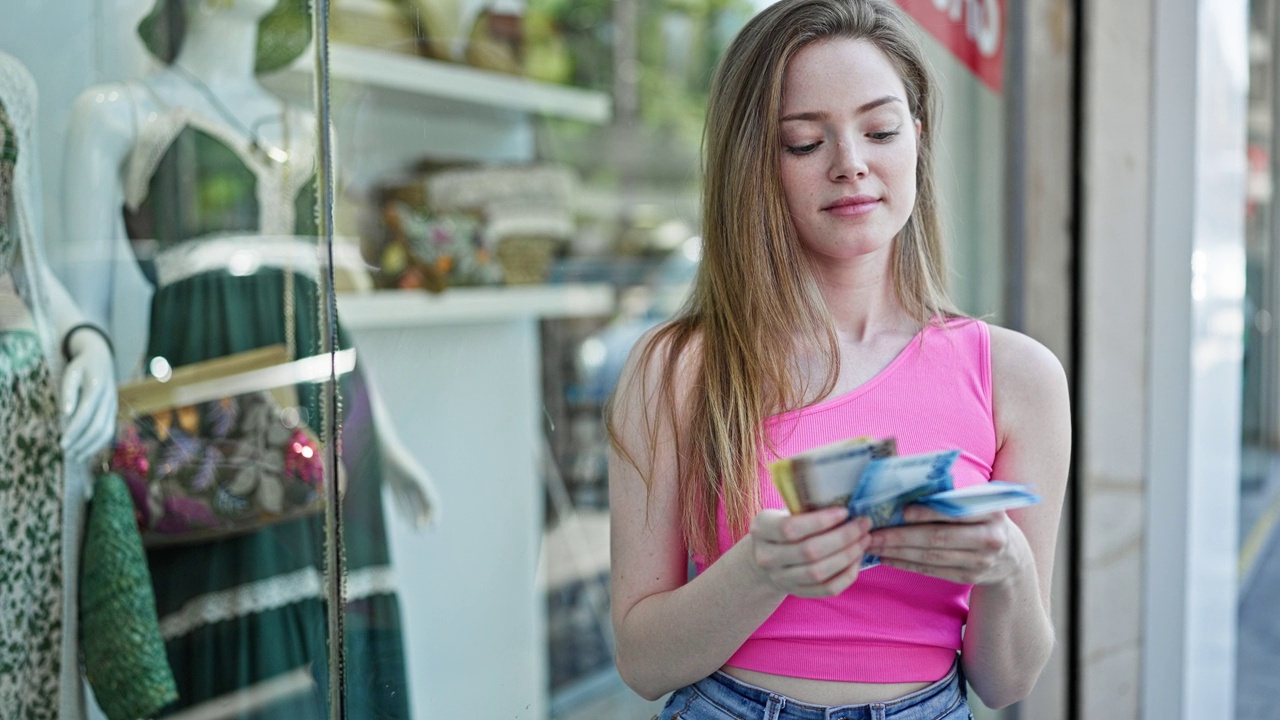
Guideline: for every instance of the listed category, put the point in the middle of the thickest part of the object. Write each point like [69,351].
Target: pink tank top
[890,626]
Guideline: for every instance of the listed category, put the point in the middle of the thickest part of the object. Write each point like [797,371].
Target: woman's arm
[670,632]
[1009,635]
[1008,557]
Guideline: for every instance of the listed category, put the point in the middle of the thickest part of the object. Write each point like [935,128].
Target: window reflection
[197,186]
[517,201]
[1259,571]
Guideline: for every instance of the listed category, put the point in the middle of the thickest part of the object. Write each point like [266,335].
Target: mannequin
[42,481]
[242,617]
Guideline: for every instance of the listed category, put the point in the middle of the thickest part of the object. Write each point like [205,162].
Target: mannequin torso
[30,483]
[46,431]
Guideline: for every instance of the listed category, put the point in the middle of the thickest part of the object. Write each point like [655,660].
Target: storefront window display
[184,199]
[465,211]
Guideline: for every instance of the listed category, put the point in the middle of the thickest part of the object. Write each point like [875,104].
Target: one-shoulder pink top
[890,626]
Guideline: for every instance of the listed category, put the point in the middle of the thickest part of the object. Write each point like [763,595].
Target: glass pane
[1258,658]
[517,200]
[179,212]
[521,181]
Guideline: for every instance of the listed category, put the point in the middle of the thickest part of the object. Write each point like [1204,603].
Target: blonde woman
[820,313]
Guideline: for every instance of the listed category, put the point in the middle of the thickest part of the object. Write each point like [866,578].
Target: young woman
[819,314]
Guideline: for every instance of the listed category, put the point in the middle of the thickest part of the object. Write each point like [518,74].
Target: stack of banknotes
[869,478]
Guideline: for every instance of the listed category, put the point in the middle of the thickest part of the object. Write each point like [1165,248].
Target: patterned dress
[221,231]
[30,492]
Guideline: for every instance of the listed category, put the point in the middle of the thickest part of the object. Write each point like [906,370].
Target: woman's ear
[919,130]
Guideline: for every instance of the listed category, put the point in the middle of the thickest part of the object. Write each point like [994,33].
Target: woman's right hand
[812,554]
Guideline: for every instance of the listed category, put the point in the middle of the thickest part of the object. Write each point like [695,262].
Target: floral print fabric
[30,503]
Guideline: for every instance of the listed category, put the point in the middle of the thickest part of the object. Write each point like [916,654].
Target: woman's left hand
[981,550]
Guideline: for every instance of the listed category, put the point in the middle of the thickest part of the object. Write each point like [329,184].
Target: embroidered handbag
[221,447]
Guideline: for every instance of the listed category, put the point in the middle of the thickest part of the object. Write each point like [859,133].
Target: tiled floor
[1258,639]
[1258,651]
[576,548]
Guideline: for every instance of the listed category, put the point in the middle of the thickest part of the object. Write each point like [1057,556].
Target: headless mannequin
[87,397]
[86,392]
[213,76]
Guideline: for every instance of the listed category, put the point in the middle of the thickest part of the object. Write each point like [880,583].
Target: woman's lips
[853,206]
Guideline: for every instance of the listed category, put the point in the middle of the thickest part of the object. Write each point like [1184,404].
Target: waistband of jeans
[762,696]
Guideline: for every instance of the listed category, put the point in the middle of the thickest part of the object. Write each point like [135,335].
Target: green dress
[245,617]
[30,493]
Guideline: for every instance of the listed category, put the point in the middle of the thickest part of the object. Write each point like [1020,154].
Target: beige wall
[1113,382]
[1042,178]
[1110,305]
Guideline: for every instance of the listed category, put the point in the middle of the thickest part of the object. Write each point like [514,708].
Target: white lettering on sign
[982,21]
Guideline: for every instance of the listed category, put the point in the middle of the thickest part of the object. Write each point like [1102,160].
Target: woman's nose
[848,162]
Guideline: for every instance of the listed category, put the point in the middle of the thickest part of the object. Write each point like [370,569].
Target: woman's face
[848,155]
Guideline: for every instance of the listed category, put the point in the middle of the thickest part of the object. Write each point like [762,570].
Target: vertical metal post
[334,566]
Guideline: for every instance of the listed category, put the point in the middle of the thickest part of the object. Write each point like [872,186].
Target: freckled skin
[841,147]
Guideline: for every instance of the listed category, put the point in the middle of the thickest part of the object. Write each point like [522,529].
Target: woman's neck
[863,300]
[220,49]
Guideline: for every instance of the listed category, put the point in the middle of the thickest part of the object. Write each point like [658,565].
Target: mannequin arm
[88,393]
[414,491]
[93,244]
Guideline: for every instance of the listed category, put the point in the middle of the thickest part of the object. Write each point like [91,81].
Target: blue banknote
[889,485]
[981,499]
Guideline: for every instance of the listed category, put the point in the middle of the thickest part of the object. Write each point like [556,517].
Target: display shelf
[386,70]
[386,309]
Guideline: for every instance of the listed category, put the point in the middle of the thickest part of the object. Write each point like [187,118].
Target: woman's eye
[883,136]
[802,149]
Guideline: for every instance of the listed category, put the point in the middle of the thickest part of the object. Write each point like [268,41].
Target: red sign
[973,30]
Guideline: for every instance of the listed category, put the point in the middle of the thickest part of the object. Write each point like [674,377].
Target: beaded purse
[221,447]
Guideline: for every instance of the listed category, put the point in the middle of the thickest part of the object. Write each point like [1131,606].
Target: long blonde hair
[755,291]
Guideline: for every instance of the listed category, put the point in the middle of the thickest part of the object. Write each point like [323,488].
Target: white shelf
[382,69]
[386,309]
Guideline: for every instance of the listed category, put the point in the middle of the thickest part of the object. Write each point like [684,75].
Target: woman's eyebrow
[864,108]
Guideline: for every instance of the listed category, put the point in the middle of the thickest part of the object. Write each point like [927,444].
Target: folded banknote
[871,481]
[888,485]
[982,499]
[827,475]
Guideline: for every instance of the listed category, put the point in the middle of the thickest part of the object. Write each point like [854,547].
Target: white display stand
[460,375]
[391,71]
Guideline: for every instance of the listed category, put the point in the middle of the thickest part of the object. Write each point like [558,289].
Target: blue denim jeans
[721,697]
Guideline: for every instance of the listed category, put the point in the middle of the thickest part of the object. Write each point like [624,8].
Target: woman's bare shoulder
[1017,350]
[1027,379]
[660,370]
[670,344]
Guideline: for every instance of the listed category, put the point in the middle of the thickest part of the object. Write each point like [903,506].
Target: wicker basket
[526,259]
